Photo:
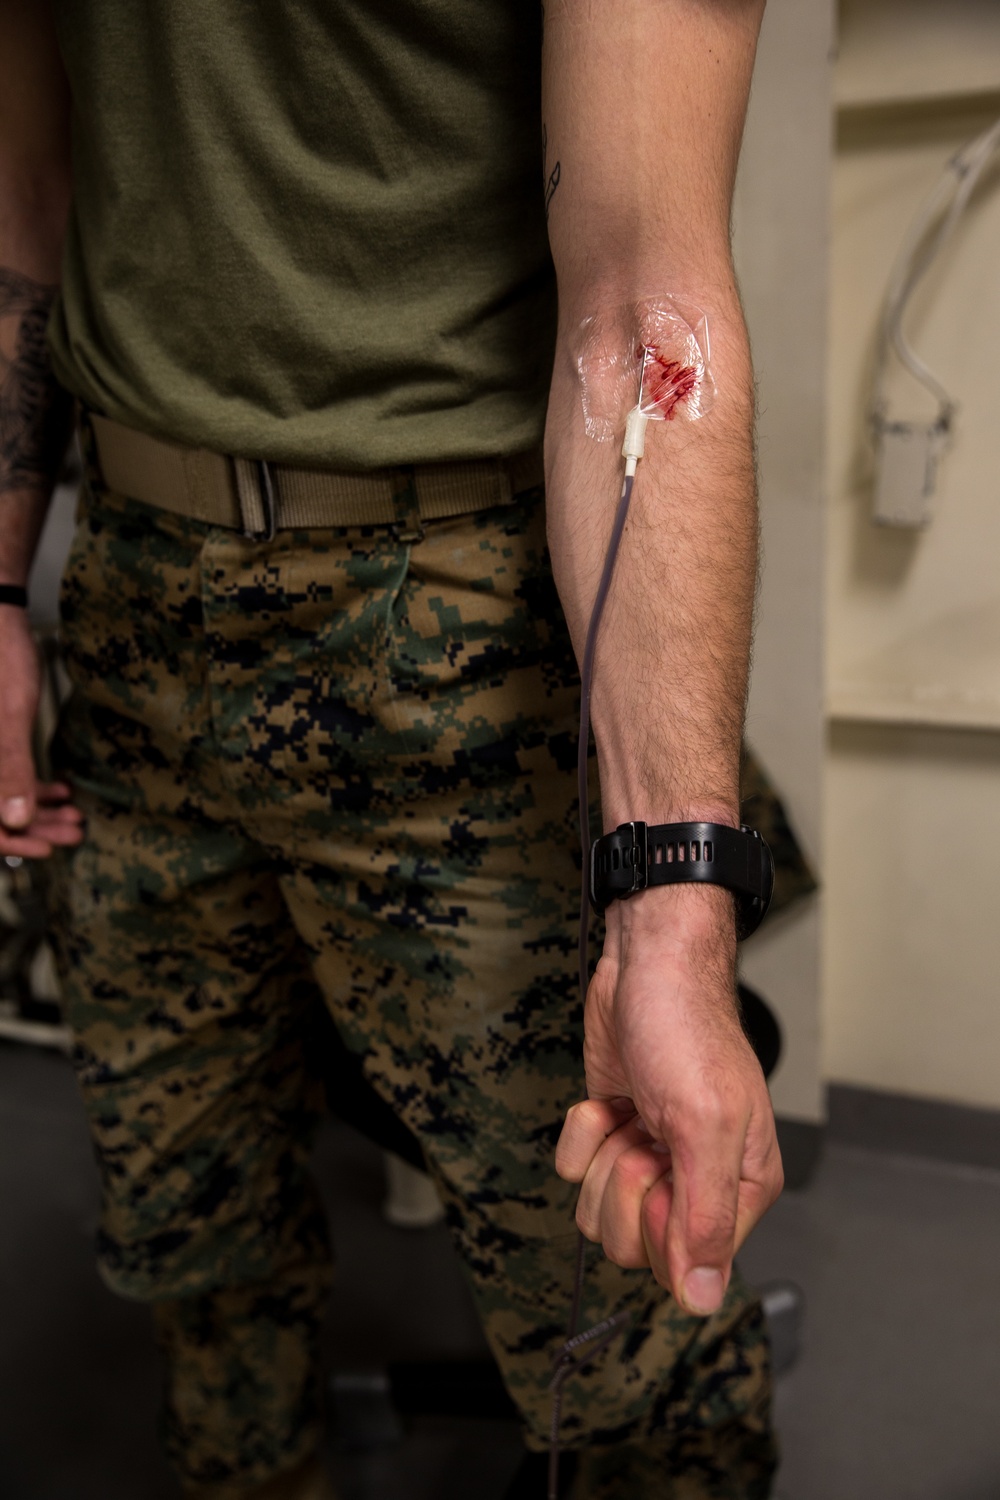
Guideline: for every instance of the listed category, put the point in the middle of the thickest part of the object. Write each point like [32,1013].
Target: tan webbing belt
[258,498]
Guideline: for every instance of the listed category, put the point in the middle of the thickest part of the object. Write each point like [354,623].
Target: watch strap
[640,855]
[12,593]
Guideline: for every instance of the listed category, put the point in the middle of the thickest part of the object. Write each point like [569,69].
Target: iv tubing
[567,1361]
[583,743]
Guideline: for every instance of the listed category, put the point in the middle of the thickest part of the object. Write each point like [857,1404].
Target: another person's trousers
[344,760]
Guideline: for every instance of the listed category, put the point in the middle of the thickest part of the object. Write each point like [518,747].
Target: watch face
[751,908]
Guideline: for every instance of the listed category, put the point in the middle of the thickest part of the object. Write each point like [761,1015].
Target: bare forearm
[34,418]
[672,656]
[645,104]
[34,197]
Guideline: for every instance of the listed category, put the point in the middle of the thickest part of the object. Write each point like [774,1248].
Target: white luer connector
[634,445]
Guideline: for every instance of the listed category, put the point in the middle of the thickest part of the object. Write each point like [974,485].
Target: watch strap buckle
[618,865]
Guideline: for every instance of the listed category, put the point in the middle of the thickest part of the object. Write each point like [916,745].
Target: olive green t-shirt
[309,231]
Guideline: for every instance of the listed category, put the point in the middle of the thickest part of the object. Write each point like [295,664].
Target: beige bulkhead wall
[781,224]
[911,973]
[892,980]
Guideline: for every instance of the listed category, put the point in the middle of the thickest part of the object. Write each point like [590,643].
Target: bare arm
[34,413]
[644,103]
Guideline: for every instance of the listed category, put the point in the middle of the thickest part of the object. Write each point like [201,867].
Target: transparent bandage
[654,354]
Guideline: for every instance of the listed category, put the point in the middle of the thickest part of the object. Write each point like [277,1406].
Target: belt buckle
[255,491]
[265,489]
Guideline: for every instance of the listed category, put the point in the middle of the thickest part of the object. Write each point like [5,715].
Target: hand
[35,816]
[675,1147]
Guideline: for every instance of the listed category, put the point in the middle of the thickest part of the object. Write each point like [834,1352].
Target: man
[324,709]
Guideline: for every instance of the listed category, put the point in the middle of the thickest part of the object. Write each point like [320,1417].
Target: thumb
[701,1231]
[17,772]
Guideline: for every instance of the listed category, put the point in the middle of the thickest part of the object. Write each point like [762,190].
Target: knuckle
[632,1172]
[577,1118]
[566,1163]
[564,1167]
[625,1254]
[707,1111]
[715,1114]
[663,1277]
[592,1115]
[716,1226]
[16,768]
[587,1224]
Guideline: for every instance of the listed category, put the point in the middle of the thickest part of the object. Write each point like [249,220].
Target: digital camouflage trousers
[344,759]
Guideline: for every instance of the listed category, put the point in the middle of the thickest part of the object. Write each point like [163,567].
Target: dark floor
[898,1392]
[895,1397]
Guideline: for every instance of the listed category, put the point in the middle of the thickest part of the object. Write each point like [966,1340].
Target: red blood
[666,383]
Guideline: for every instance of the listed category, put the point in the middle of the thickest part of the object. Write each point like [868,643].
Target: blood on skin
[666,383]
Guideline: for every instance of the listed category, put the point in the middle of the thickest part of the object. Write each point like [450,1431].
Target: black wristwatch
[639,855]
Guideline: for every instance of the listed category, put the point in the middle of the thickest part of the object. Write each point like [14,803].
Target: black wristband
[12,593]
[639,855]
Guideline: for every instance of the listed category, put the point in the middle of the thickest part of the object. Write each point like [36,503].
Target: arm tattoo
[34,409]
[551,179]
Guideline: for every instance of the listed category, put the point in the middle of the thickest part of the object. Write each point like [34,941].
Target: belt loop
[258,498]
[406,527]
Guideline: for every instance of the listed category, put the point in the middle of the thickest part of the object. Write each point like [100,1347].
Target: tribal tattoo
[34,409]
